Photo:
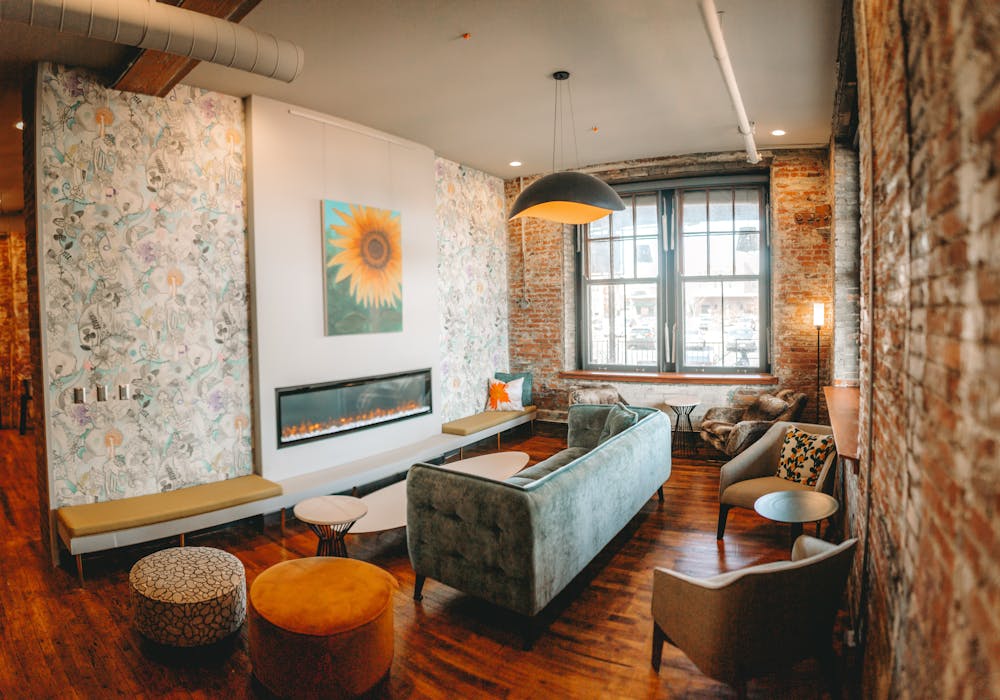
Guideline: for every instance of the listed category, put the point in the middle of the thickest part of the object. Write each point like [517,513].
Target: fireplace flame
[291,433]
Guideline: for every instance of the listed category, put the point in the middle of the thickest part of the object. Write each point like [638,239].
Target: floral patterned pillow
[803,456]
[505,396]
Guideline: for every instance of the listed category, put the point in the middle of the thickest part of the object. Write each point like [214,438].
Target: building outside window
[678,281]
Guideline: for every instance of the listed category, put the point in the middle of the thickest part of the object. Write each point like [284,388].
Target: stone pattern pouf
[188,596]
[321,627]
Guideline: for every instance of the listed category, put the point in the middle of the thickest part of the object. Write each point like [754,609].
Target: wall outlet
[849,639]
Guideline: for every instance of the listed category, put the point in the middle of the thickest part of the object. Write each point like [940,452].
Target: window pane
[693,212]
[623,258]
[741,312]
[646,223]
[720,210]
[599,228]
[600,324]
[695,254]
[647,259]
[702,305]
[720,254]
[747,210]
[599,260]
[621,221]
[641,331]
[618,326]
[747,253]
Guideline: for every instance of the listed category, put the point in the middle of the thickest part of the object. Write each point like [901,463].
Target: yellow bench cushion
[93,518]
[483,421]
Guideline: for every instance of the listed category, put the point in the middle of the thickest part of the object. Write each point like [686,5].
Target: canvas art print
[363,267]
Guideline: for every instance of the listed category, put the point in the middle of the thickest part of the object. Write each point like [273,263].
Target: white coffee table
[387,506]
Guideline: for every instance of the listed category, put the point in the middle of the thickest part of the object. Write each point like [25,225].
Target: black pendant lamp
[566,197]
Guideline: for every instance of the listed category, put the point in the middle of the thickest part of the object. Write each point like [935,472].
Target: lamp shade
[567,198]
[817,315]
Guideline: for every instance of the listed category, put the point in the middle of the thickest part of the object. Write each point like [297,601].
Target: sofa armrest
[472,533]
[585,423]
[726,414]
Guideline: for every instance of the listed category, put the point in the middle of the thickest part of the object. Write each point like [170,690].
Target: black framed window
[679,281]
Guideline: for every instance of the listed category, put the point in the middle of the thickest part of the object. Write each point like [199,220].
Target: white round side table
[682,406]
[330,517]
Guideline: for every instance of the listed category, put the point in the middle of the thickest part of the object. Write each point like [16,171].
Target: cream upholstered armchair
[754,472]
[746,623]
[732,429]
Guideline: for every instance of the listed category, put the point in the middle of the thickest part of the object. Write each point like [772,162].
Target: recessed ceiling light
[19,125]
[515,164]
[778,132]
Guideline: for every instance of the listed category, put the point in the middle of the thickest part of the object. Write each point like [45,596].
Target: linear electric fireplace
[314,411]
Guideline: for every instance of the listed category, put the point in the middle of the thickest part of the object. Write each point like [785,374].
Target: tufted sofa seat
[518,543]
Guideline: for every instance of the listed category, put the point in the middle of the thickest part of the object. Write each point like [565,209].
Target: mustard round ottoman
[321,627]
[188,596]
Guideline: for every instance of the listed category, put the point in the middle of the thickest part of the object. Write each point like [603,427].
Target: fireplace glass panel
[323,410]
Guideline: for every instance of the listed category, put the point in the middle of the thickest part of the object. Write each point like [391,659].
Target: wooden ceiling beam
[156,73]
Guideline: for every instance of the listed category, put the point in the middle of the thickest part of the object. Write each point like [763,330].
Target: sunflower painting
[363,264]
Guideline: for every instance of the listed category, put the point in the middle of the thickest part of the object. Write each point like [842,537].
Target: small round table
[330,517]
[682,406]
[796,507]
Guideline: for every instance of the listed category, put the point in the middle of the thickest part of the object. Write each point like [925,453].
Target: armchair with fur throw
[732,429]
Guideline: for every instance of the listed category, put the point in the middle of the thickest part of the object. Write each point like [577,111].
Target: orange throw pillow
[505,396]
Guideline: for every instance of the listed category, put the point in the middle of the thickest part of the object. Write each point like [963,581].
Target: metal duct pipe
[152,25]
[711,17]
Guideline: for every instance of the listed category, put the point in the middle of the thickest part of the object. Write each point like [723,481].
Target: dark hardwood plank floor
[60,640]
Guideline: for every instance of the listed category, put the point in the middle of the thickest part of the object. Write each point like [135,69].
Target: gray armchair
[732,429]
[745,623]
[753,473]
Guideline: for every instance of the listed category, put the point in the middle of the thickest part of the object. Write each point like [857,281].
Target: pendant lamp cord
[523,301]
[555,121]
[572,124]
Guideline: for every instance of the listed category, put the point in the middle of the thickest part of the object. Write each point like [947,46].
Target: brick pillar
[846,263]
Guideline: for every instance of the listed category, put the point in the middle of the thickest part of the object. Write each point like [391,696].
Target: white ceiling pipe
[711,17]
[153,25]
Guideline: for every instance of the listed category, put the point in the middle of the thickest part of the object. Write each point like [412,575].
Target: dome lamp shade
[568,198]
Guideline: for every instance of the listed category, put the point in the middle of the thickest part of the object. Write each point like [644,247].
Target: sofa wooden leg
[182,539]
[658,639]
[659,494]
[723,514]
[418,587]
[79,568]
[530,632]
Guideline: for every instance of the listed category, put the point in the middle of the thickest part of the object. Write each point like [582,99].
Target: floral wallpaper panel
[143,235]
[472,280]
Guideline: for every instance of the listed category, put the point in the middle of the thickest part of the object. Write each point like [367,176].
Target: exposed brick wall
[801,273]
[542,335]
[846,263]
[929,102]
[537,297]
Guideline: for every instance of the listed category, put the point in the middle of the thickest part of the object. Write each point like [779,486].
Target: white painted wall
[294,163]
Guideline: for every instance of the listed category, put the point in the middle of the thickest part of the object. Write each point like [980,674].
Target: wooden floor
[60,640]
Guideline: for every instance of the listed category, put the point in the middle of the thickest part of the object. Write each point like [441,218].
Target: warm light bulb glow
[817,315]
[19,126]
[515,164]
[778,132]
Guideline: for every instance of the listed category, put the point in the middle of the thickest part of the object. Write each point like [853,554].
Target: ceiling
[642,72]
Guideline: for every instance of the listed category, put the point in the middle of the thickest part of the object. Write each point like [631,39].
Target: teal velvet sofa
[519,542]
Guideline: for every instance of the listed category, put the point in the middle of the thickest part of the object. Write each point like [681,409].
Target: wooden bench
[93,527]
[483,425]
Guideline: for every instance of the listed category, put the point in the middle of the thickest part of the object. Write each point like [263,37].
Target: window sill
[670,377]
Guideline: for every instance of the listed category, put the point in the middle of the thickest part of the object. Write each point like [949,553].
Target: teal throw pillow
[619,419]
[525,387]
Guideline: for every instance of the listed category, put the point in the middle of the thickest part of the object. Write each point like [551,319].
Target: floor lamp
[818,322]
